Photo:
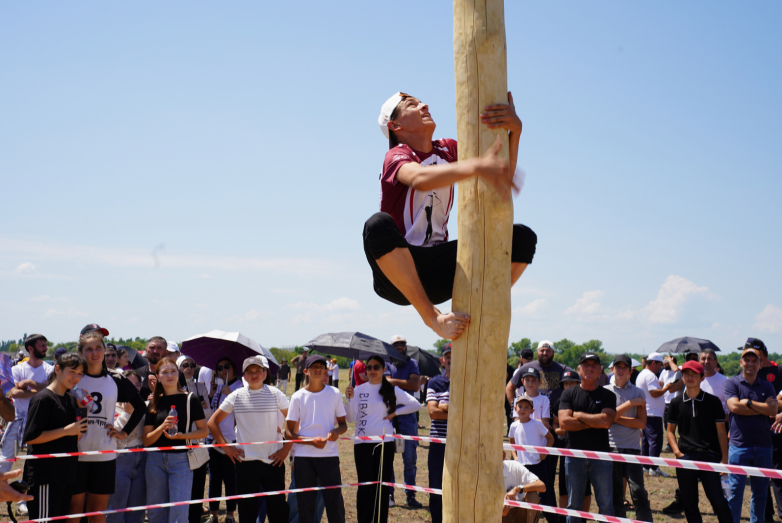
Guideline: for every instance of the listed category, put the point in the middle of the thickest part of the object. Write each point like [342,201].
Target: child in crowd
[528,431]
[53,426]
[311,414]
[541,404]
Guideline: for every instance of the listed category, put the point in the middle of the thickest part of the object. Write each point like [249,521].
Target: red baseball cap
[693,366]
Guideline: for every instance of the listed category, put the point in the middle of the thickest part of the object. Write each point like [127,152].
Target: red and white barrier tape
[574,453]
[533,506]
[193,501]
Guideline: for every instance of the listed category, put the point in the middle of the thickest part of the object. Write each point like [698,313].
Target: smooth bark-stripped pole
[473,485]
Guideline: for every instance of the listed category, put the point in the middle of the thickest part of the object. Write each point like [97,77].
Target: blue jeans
[408,426]
[600,473]
[130,488]
[754,457]
[320,506]
[169,479]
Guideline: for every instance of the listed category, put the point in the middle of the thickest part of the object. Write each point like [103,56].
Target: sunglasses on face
[188,365]
[374,367]
[222,367]
[400,344]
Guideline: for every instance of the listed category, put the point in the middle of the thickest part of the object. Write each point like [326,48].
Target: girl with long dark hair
[169,478]
[53,426]
[96,475]
[372,406]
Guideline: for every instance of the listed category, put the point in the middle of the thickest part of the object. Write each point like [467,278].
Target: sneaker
[413,503]
[212,519]
[675,508]
[391,502]
[646,471]
[659,473]
[21,508]
[229,519]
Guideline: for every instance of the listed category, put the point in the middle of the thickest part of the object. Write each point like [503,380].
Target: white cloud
[124,257]
[25,268]
[343,303]
[769,319]
[532,308]
[587,304]
[70,313]
[674,293]
[253,315]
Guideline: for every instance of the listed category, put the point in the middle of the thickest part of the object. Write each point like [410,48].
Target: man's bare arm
[490,166]
[597,421]
[569,423]
[510,391]
[638,422]
[411,384]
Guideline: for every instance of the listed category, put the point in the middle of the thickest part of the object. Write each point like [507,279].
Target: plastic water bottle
[725,486]
[84,399]
[172,413]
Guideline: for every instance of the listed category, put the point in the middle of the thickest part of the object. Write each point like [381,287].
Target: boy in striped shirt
[437,403]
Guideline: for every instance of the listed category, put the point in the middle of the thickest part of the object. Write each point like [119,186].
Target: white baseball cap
[546,343]
[655,356]
[385,112]
[397,338]
[172,347]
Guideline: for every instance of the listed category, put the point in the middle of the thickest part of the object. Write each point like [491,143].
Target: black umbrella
[134,357]
[687,344]
[354,345]
[428,363]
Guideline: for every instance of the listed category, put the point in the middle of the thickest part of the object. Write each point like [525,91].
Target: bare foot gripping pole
[473,485]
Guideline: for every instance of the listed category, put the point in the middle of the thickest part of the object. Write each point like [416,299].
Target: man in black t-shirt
[586,412]
[702,437]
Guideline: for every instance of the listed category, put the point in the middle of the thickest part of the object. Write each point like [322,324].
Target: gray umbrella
[687,344]
[353,345]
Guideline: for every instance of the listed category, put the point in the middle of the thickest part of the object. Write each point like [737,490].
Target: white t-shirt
[316,413]
[335,371]
[227,425]
[367,409]
[516,475]
[715,385]
[256,419]
[669,376]
[25,371]
[542,408]
[531,433]
[205,376]
[646,381]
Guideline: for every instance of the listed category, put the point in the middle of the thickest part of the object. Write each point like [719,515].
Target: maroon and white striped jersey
[422,217]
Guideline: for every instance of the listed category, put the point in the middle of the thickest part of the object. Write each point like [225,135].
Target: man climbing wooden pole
[473,486]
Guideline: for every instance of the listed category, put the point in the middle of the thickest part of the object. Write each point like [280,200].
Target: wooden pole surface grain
[473,485]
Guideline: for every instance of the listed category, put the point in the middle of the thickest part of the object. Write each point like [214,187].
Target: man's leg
[653,438]
[8,445]
[328,472]
[713,490]
[761,457]
[617,487]
[688,485]
[600,474]
[776,463]
[737,456]
[436,463]
[547,498]
[576,470]
[273,479]
[408,427]
[248,481]
[635,482]
[306,477]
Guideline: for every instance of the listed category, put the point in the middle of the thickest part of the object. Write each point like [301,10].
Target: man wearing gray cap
[259,468]
[406,243]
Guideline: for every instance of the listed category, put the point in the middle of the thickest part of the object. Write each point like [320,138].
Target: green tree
[568,352]
[517,346]
[439,344]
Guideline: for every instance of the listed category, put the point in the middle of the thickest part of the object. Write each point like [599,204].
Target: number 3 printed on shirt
[97,397]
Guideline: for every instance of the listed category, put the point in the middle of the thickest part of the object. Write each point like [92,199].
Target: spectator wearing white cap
[406,243]
[259,468]
[407,377]
[654,390]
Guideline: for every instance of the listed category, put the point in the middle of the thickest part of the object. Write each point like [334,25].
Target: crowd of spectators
[93,400]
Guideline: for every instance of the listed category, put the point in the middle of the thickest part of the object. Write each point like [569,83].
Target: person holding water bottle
[53,426]
[101,390]
[169,478]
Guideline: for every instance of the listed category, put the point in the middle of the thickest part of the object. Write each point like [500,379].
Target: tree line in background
[566,352]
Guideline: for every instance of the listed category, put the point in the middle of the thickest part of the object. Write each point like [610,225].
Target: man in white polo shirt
[654,390]
[259,468]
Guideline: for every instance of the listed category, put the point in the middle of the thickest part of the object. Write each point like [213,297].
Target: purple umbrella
[207,349]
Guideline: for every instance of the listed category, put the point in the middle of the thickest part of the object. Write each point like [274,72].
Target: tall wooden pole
[473,485]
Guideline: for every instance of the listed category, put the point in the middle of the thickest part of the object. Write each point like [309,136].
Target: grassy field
[661,490]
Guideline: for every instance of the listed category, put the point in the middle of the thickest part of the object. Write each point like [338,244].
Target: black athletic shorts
[95,477]
[436,265]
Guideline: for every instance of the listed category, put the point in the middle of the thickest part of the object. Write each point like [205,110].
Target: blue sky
[169,169]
